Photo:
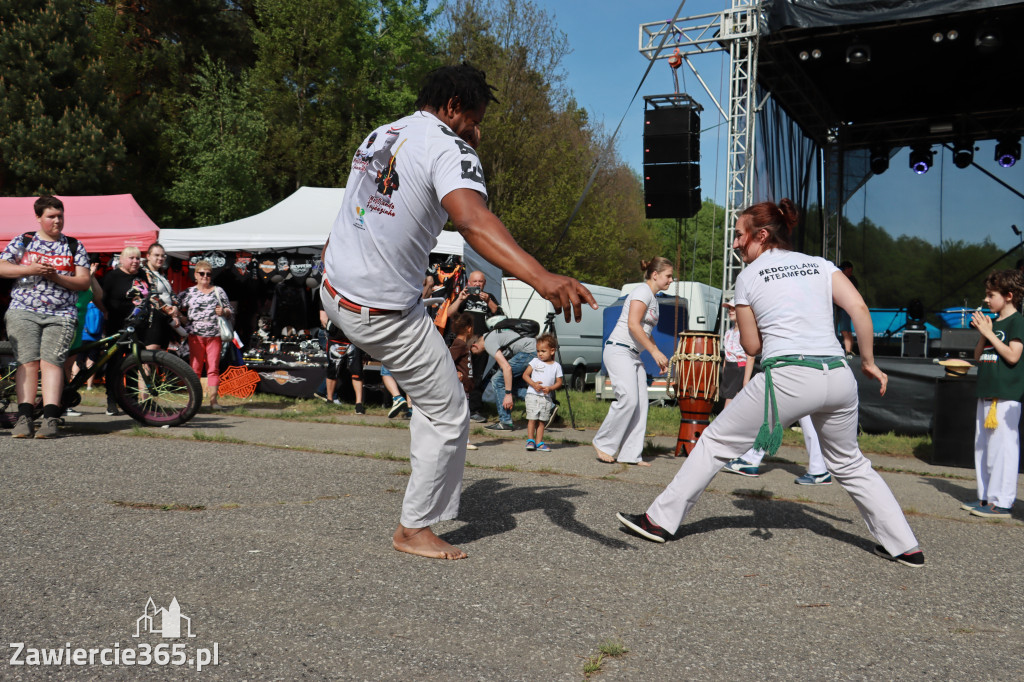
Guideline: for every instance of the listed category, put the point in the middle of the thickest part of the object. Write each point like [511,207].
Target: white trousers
[625,425]
[830,398]
[410,346]
[815,460]
[997,453]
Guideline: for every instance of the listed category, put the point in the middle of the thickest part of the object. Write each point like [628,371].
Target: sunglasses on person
[203,274]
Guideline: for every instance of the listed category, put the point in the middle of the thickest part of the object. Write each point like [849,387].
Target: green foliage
[539,148]
[326,72]
[892,271]
[150,52]
[216,150]
[695,244]
[55,113]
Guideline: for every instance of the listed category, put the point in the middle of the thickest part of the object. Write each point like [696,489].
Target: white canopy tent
[301,223]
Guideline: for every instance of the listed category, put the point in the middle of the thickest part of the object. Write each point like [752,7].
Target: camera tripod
[549,328]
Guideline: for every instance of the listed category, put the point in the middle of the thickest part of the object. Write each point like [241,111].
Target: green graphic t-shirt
[997,378]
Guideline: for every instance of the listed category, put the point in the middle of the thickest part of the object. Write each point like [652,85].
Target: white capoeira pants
[830,398]
[997,453]
[409,345]
[815,460]
[625,425]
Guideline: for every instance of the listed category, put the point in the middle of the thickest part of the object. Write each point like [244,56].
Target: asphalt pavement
[272,536]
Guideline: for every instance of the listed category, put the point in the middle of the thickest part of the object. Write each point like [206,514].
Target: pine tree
[56,117]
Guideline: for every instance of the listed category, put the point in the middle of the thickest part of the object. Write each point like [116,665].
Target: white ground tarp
[301,223]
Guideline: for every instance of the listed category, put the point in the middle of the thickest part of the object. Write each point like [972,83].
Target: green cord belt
[769,438]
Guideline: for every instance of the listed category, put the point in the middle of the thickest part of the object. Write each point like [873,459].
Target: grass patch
[138,431]
[217,438]
[613,648]
[174,506]
[592,666]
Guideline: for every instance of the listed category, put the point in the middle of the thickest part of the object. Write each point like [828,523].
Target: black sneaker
[500,426]
[643,526]
[360,408]
[112,411]
[397,407]
[912,559]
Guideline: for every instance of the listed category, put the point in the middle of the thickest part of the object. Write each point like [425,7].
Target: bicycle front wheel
[162,390]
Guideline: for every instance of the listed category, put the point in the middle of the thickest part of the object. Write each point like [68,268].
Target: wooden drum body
[697,363]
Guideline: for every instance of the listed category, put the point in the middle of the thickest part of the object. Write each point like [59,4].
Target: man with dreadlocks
[375,258]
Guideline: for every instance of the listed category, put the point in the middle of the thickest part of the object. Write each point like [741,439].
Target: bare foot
[641,463]
[604,456]
[423,542]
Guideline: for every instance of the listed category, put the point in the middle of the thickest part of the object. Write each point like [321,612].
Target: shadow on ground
[490,506]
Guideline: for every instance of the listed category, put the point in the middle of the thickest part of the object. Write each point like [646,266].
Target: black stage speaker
[959,341]
[671,162]
[915,344]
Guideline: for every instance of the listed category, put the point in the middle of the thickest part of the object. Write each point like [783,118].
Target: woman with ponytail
[623,428]
[784,311]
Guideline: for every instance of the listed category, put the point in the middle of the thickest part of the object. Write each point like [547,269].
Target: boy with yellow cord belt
[1000,386]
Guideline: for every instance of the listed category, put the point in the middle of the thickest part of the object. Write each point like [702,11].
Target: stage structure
[734,30]
[861,78]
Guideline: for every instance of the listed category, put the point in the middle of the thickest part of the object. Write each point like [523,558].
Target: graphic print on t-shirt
[383,165]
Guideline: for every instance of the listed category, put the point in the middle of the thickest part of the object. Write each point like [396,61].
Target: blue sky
[605,67]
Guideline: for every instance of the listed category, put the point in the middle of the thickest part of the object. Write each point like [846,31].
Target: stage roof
[103,224]
[915,87]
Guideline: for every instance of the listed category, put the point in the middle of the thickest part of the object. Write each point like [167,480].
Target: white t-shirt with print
[544,374]
[790,294]
[642,293]
[391,214]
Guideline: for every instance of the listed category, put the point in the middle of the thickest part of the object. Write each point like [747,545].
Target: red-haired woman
[784,310]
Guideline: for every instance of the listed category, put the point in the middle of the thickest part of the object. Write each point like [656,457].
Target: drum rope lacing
[689,372]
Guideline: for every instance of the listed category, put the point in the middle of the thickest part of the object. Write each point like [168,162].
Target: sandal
[543,447]
[531,445]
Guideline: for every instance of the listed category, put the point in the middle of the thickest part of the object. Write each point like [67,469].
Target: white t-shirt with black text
[391,214]
[790,294]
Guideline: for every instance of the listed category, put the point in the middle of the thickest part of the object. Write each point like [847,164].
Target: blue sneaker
[811,479]
[531,444]
[742,467]
[990,511]
[971,506]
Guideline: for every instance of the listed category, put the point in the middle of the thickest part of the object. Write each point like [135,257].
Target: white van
[579,343]
[703,303]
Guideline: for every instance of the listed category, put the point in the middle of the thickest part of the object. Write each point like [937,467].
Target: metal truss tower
[737,30]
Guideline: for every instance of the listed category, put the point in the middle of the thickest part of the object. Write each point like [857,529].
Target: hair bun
[644,264]
[790,214]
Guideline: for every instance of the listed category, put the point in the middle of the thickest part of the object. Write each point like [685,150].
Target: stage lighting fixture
[857,55]
[963,154]
[879,160]
[921,158]
[816,54]
[937,37]
[988,39]
[1007,151]
[804,55]
[953,35]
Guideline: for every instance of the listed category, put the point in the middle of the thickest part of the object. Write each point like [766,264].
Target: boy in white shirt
[544,377]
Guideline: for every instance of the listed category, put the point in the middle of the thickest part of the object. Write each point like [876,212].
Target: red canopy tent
[103,224]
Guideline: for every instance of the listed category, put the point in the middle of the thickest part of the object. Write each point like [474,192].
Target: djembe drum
[697,365]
